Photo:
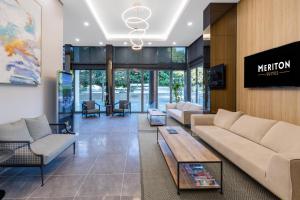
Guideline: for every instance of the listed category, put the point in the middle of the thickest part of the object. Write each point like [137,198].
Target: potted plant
[176,90]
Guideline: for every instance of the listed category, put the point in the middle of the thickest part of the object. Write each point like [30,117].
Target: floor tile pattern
[106,166]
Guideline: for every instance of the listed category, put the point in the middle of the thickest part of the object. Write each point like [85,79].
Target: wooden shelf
[185,179]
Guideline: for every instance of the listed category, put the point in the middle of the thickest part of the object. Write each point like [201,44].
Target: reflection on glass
[163,89]
[178,83]
[146,90]
[178,55]
[82,88]
[98,86]
[200,89]
[194,85]
[120,79]
[135,95]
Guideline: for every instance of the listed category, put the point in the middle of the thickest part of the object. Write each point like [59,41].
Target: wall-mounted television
[278,67]
[217,77]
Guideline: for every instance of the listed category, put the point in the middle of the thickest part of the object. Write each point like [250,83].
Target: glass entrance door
[135,92]
[163,89]
[121,85]
[98,86]
[89,85]
[82,88]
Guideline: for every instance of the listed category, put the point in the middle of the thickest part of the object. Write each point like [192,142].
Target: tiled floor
[106,166]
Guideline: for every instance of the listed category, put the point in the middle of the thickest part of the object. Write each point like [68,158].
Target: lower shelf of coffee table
[185,181]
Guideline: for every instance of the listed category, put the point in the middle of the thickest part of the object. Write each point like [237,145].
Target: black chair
[122,107]
[89,108]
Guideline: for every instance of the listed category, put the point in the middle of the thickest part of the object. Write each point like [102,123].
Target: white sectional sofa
[267,150]
[182,111]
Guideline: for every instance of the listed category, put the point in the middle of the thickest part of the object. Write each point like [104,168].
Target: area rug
[145,126]
[157,183]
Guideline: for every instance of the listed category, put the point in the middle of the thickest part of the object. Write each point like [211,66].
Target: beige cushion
[187,106]
[180,105]
[283,137]
[252,128]
[175,112]
[225,118]
[15,131]
[195,107]
[52,145]
[38,127]
[249,156]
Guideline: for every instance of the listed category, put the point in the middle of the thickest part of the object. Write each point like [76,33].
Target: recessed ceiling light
[125,43]
[190,23]
[77,39]
[149,43]
[92,5]
[101,43]
[86,23]
[174,43]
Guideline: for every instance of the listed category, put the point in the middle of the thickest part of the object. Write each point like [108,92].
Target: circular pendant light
[135,18]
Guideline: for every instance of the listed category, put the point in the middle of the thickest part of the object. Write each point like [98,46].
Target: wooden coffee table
[181,150]
[156,117]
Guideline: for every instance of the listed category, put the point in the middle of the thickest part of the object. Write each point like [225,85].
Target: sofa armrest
[283,175]
[201,120]
[188,113]
[66,128]
[170,106]
[22,154]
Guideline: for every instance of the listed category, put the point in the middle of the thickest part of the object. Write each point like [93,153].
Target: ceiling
[168,23]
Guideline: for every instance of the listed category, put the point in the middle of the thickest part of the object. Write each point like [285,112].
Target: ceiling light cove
[112,31]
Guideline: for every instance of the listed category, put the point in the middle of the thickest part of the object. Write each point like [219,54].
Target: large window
[178,55]
[82,88]
[178,86]
[121,85]
[194,85]
[98,86]
[163,89]
[197,89]
[146,90]
[89,85]
[135,94]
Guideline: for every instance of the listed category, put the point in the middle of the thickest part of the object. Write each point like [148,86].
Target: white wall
[19,101]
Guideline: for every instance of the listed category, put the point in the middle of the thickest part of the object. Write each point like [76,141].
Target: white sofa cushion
[195,107]
[252,128]
[225,119]
[187,106]
[15,131]
[180,105]
[52,145]
[38,127]
[249,156]
[191,107]
[283,137]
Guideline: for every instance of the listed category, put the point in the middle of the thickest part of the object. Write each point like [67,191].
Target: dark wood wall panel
[223,51]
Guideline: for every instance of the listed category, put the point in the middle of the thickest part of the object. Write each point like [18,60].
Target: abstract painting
[20,42]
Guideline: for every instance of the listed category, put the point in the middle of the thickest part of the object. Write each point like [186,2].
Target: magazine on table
[199,175]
